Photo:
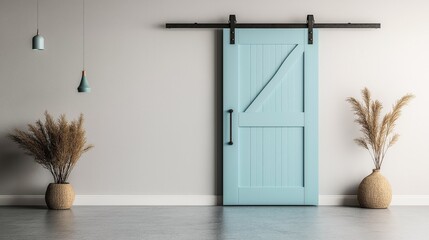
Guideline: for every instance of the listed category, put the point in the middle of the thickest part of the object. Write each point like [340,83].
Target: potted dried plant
[57,146]
[378,136]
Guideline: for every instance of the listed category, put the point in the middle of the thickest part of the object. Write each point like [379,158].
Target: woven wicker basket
[374,191]
[59,196]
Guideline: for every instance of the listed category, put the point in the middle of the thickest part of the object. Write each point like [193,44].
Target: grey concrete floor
[89,222]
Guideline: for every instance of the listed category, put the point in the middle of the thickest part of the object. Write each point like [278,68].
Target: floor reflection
[214,222]
[60,222]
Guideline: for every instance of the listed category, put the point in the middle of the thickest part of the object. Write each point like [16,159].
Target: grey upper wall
[152,114]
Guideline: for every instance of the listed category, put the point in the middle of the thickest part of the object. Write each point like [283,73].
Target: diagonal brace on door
[276,79]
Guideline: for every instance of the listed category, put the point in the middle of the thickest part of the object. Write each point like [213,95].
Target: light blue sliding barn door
[270,118]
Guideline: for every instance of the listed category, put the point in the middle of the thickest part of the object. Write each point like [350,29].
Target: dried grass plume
[57,145]
[378,135]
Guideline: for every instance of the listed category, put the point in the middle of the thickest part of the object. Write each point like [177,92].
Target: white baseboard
[338,200]
[116,200]
[191,200]
[351,200]
[149,200]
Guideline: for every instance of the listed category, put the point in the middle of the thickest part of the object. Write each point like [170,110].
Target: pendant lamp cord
[37,17]
[83,34]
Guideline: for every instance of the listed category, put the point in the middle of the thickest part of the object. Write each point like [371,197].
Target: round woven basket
[59,196]
[374,191]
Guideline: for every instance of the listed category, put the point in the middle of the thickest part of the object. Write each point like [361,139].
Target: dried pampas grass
[378,136]
[56,145]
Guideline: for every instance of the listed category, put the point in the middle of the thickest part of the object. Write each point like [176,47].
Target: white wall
[153,111]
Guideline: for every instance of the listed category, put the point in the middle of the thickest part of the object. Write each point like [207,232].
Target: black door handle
[230,126]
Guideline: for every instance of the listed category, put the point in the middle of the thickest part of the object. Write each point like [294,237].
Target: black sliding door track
[232,25]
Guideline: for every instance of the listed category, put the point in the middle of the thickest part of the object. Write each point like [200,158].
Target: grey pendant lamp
[84,85]
[38,40]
